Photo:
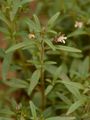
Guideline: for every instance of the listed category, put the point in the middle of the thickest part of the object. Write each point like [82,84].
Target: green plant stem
[42,76]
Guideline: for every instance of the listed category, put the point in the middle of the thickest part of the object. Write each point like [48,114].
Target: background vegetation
[47,50]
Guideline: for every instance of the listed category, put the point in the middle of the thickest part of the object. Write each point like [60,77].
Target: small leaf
[2,53]
[50,68]
[73,84]
[76,33]
[14,10]
[50,63]
[52,20]
[4,30]
[49,43]
[5,118]
[48,89]
[17,83]
[4,19]
[76,105]
[34,81]
[16,6]
[7,112]
[31,24]
[52,32]
[33,110]
[61,118]
[37,23]
[66,48]
[25,1]
[18,46]
[63,98]
[84,68]
[73,90]
[57,72]
[6,64]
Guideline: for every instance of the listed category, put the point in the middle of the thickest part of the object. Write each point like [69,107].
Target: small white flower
[78,24]
[18,107]
[31,36]
[61,38]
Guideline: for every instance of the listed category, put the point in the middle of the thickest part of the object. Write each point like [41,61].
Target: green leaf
[5,118]
[4,30]
[33,110]
[31,24]
[34,81]
[37,23]
[4,19]
[14,10]
[50,68]
[48,89]
[51,31]
[76,105]
[63,98]
[57,72]
[25,1]
[84,68]
[50,62]
[6,64]
[73,90]
[18,46]
[16,6]
[76,33]
[49,43]
[17,83]
[71,86]
[66,48]
[7,112]
[2,53]
[52,20]
[61,118]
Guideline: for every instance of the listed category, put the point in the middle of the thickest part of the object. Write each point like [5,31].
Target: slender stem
[42,76]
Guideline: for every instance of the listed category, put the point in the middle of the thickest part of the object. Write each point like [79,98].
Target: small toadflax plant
[42,88]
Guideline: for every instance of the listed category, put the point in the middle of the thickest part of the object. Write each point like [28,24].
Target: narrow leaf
[5,118]
[52,20]
[73,88]
[2,53]
[48,89]
[63,98]
[17,83]
[4,19]
[6,111]
[76,105]
[30,24]
[6,64]
[37,22]
[66,48]
[34,81]
[61,118]
[33,110]
[57,73]
[18,46]
[25,1]
[14,10]
[84,68]
[73,84]
[49,43]
[76,33]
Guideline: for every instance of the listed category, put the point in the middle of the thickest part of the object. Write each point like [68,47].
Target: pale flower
[78,24]
[31,35]
[61,38]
